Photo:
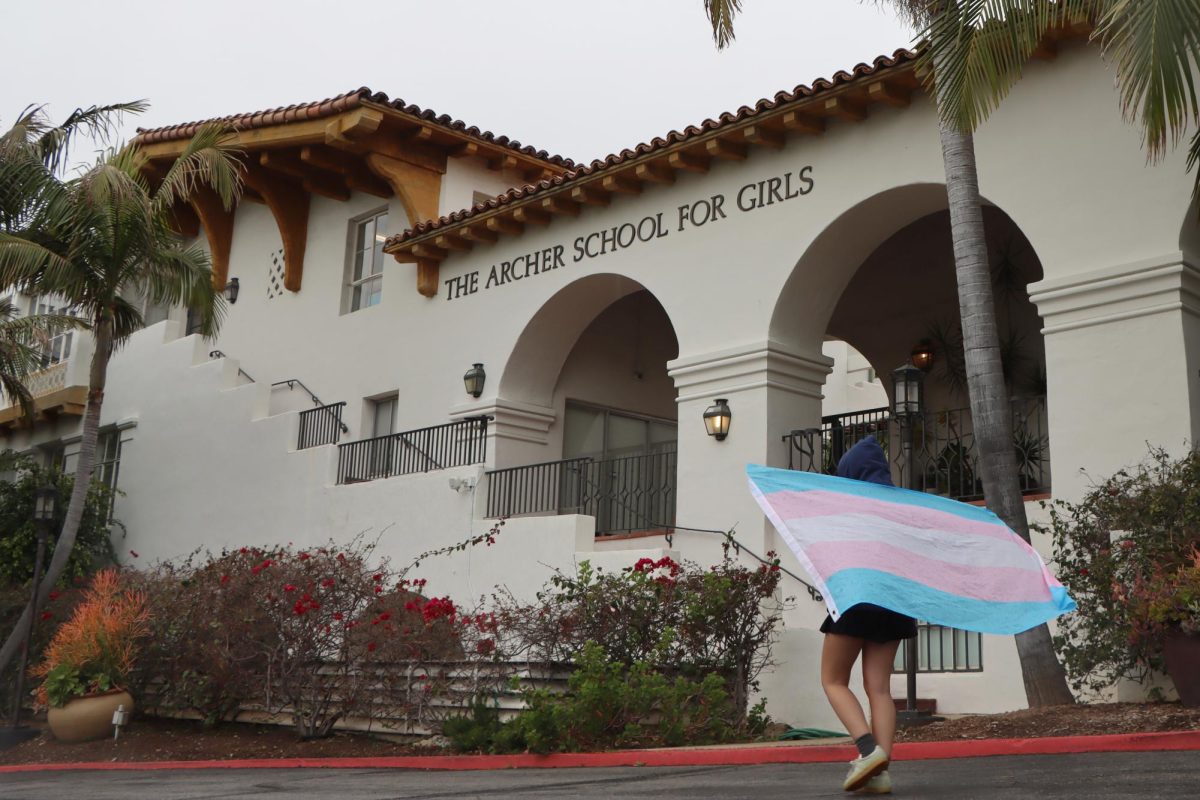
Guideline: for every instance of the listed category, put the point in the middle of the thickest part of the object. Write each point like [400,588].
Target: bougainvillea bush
[321,633]
[1127,554]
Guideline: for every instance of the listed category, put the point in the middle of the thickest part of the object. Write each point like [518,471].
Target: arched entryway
[593,360]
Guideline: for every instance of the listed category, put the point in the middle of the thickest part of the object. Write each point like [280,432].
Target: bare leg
[838,655]
[877,681]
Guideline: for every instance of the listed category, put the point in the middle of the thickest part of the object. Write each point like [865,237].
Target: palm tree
[1044,678]
[95,240]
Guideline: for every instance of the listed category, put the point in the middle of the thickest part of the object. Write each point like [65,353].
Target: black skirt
[871,622]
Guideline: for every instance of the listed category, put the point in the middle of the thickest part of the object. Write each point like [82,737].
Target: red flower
[377,577]
[341,556]
[224,579]
[47,615]
[289,587]
[378,590]
[371,646]
[53,595]
[243,550]
[485,646]
[1083,571]
[1127,544]
[385,616]
[304,556]
[328,582]
[338,616]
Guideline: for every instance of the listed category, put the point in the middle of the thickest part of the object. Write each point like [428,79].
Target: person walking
[874,633]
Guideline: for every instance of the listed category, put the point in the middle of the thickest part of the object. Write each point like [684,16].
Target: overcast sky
[581,78]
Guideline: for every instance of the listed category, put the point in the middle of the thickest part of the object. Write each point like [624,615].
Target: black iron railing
[455,444]
[321,425]
[942,649]
[623,494]
[934,452]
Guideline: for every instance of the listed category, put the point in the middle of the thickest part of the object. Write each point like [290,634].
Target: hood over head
[866,461]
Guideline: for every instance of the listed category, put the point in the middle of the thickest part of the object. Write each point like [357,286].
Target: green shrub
[1116,550]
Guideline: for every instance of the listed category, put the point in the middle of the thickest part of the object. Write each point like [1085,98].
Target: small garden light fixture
[231,290]
[907,388]
[473,379]
[717,418]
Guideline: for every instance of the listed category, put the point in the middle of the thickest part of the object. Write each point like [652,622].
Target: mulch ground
[1076,720]
[181,740]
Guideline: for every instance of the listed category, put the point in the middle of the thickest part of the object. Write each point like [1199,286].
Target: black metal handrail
[242,372]
[321,425]
[623,494]
[934,452]
[438,447]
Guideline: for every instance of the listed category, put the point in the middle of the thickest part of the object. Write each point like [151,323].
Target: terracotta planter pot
[87,718]
[1182,653]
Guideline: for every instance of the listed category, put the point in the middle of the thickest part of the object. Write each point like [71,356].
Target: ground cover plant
[1128,554]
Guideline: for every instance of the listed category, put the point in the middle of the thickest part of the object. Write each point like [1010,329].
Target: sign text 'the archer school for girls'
[688,216]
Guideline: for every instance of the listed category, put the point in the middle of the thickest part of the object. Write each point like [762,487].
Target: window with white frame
[366,266]
[58,348]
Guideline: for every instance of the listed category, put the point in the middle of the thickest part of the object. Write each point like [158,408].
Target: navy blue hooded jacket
[866,462]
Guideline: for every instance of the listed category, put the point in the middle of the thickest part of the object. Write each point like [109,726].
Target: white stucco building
[611,304]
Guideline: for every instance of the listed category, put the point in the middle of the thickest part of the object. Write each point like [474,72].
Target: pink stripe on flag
[820,503]
[997,584]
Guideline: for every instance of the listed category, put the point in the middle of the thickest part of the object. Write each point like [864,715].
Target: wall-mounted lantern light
[717,418]
[231,290]
[922,355]
[473,379]
[906,391]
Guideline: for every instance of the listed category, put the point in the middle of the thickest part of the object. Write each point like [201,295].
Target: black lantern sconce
[717,418]
[473,380]
[45,507]
[922,355]
[907,387]
[231,290]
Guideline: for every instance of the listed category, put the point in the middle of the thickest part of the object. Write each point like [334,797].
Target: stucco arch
[533,367]
[812,291]
[1189,231]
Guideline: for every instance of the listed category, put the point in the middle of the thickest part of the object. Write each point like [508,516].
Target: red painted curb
[680,757]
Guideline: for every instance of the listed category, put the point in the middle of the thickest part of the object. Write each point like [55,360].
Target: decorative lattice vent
[275,276]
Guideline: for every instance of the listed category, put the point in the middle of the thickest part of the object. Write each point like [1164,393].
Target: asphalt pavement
[1094,776]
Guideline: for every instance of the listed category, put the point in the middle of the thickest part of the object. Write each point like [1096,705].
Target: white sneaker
[864,768]
[880,784]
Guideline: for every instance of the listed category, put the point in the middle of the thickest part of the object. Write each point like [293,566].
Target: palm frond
[207,161]
[23,263]
[126,320]
[978,50]
[720,14]
[53,144]
[1154,45]
[182,275]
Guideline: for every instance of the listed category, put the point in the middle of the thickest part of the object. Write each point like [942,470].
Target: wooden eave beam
[560,205]
[289,204]
[765,137]
[184,221]
[800,122]
[479,233]
[417,188]
[284,162]
[847,108]
[218,229]
[621,184]
[530,215]
[721,148]
[327,187]
[351,168]
[690,162]
[655,172]
[590,195]
[427,277]
[889,94]
[453,242]
[312,179]
[504,226]
[423,250]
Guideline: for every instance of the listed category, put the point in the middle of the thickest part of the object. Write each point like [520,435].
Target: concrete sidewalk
[1097,776]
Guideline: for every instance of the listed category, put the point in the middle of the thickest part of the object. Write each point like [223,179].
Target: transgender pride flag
[929,557]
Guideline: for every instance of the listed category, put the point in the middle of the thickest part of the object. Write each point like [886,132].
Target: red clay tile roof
[898,59]
[336,105]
